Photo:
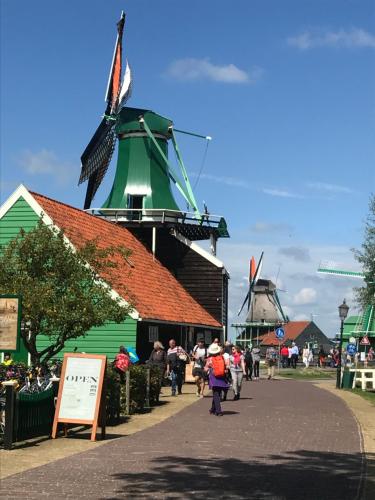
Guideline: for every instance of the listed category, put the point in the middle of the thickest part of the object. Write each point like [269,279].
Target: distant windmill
[263,303]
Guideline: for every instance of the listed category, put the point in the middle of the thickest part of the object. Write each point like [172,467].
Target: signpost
[80,391]
[10,322]
[280,332]
[365,341]
[351,349]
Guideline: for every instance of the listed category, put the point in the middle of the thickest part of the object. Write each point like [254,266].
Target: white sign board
[80,390]
[81,384]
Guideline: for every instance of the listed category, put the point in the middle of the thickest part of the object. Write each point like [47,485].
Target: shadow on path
[306,475]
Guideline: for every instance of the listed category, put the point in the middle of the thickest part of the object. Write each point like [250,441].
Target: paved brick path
[283,440]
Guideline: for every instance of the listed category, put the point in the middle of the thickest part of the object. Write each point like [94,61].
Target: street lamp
[343,312]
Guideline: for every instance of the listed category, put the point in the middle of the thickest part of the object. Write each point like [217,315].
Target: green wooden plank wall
[20,215]
[102,340]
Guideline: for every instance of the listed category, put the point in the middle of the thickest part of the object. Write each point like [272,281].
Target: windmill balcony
[186,223]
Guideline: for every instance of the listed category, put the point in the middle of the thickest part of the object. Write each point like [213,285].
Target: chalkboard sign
[80,391]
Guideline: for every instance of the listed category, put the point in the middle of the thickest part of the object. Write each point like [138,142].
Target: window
[153,333]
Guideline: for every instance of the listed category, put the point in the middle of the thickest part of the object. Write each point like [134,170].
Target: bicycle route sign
[280,333]
[351,349]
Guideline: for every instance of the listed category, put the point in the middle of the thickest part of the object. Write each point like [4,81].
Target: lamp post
[343,312]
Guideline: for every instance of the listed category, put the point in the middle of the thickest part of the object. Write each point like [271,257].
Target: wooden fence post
[127,392]
[148,383]
[10,400]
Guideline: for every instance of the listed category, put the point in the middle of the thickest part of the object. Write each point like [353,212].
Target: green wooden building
[163,307]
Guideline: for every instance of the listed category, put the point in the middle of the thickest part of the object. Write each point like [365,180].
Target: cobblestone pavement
[282,440]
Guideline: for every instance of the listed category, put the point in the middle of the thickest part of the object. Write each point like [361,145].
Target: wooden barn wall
[184,336]
[105,339]
[313,333]
[202,279]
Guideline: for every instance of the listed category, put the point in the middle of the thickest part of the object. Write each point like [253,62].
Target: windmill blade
[244,302]
[114,80]
[98,152]
[278,303]
[126,88]
[258,270]
[97,157]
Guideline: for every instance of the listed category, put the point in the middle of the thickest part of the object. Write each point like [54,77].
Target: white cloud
[46,162]
[300,254]
[305,296]
[330,188]
[228,181]
[353,38]
[302,317]
[281,193]
[193,69]
[271,227]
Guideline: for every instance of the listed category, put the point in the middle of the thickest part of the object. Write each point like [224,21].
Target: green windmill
[141,195]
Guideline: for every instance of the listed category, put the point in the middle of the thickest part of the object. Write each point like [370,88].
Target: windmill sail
[97,156]
[126,88]
[253,278]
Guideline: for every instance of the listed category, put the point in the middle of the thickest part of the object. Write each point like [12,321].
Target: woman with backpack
[122,362]
[217,367]
[237,370]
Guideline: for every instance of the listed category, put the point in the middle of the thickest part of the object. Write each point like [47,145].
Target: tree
[62,293]
[366,256]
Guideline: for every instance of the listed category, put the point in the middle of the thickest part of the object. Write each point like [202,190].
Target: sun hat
[214,349]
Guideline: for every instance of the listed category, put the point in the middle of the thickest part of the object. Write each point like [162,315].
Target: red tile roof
[146,283]
[292,330]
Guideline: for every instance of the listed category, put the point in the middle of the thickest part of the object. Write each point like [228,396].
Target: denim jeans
[237,377]
[176,379]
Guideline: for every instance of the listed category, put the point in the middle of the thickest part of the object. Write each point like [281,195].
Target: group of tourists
[221,367]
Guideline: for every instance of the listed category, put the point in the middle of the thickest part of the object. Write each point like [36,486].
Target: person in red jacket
[284,355]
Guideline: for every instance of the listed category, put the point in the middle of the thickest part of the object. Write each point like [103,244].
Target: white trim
[199,250]
[22,191]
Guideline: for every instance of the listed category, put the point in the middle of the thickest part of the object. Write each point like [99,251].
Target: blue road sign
[280,333]
[351,349]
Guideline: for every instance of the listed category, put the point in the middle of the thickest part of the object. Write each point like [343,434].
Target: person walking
[176,359]
[248,364]
[271,359]
[284,355]
[295,353]
[321,356]
[256,361]
[216,367]
[199,360]
[158,359]
[237,370]
[306,356]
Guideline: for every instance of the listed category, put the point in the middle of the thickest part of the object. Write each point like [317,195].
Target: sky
[286,90]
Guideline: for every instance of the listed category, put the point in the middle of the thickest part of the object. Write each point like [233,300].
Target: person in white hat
[217,368]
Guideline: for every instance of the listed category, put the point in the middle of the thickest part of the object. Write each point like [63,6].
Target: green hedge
[116,391]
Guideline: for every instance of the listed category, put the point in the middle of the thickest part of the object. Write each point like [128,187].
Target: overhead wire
[202,164]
